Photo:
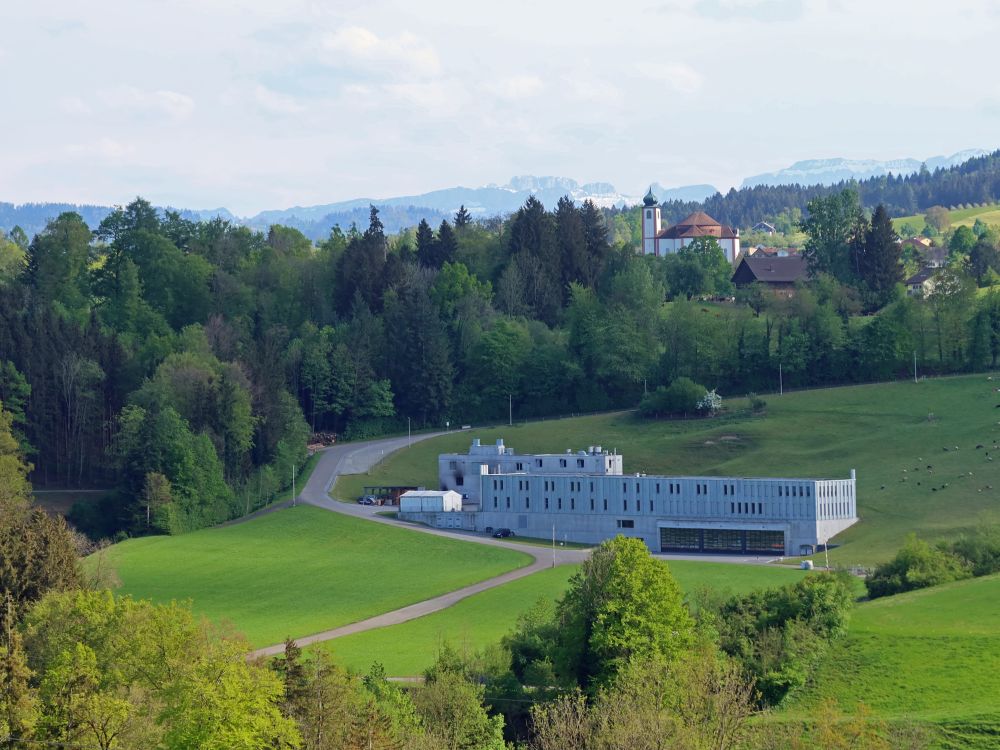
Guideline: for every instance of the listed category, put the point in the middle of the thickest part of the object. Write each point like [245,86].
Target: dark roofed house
[777,273]
[763,227]
[922,282]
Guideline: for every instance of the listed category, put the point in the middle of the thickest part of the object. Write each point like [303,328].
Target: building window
[605,503]
[732,507]
[624,504]
[591,486]
[494,484]
[624,487]
[538,462]
[559,504]
[562,462]
[650,506]
[779,490]
[657,488]
[546,503]
[508,503]
[697,489]
[527,503]
[501,484]
[494,501]
[572,503]
[579,463]
[459,480]
[520,467]
[591,503]
[637,488]
[649,214]
[626,523]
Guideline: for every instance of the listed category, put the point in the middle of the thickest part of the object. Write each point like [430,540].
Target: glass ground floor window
[752,541]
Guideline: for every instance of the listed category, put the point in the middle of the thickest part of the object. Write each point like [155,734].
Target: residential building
[921,283]
[763,228]
[779,274]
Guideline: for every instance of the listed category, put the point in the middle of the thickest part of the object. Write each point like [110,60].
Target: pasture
[300,570]
[483,619]
[914,446]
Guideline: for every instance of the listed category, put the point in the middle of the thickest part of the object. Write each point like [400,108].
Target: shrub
[710,403]
[757,404]
[980,550]
[916,566]
[680,397]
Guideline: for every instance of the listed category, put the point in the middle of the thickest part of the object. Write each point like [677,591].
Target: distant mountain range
[832,171]
[490,200]
[396,213]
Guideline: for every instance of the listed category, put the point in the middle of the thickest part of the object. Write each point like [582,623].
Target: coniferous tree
[425,244]
[882,266]
[462,217]
[446,245]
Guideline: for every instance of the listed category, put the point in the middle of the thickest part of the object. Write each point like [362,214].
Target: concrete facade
[592,501]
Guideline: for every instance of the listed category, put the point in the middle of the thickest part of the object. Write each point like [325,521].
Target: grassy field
[884,431]
[483,619]
[301,570]
[963,217]
[931,655]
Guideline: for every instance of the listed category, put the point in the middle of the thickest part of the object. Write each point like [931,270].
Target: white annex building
[587,498]
[658,241]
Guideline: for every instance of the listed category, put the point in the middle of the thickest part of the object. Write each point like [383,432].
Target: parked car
[366,500]
[502,533]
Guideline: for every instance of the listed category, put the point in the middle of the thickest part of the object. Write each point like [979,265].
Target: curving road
[355,458]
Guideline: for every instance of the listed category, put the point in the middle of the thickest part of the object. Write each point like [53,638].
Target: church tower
[650,222]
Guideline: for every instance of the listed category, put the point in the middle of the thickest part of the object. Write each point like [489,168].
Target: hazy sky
[256,104]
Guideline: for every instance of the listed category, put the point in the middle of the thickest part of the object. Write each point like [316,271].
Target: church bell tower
[650,222]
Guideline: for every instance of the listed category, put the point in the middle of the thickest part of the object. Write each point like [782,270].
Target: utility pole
[914,365]
[781,383]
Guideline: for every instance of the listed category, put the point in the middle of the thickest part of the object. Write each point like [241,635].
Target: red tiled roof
[698,224]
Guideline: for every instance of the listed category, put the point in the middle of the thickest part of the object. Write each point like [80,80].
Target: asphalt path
[357,458]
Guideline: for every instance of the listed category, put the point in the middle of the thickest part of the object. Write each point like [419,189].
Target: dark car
[367,500]
[502,533]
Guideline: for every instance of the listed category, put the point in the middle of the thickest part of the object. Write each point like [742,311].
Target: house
[779,274]
[659,242]
[763,228]
[934,256]
[922,282]
[586,496]
[917,243]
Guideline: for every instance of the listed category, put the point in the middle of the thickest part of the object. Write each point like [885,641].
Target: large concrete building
[586,497]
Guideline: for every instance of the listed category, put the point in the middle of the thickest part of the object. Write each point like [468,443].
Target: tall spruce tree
[881,266]
[462,217]
[425,244]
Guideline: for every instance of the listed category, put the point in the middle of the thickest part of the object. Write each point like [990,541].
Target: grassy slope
[483,619]
[931,655]
[301,570]
[878,429]
[966,216]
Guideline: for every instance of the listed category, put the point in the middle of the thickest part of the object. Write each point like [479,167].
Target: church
[658,241]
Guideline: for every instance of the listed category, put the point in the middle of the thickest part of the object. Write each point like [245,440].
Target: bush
[757,404]
[980,550]
[681,397]
[917,565]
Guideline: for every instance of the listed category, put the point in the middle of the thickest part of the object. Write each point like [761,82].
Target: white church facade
[659,241]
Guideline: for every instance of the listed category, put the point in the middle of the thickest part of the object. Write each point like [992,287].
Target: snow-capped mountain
[832,171]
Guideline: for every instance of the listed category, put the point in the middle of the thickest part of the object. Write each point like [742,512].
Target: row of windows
[673,488]
[754,509]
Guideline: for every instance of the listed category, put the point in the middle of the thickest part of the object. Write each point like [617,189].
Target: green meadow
[300,570]
[963,217]
[914,446]
[931,655]
[409,648]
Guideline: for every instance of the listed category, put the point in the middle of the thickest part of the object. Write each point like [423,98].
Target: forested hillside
[974,181]
[187,362]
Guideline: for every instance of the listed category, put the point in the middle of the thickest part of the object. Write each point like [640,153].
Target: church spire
[650,199]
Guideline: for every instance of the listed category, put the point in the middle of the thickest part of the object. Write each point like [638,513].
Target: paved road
[355,458]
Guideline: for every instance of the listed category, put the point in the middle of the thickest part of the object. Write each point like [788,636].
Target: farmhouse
[585,496]
[763,227]
[658,241]
[778,273]
[921,283]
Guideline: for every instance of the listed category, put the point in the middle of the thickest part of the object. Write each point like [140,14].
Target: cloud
[360,46]
[680,77]
[766,11]
[74,105]
[174,105]
[518,87]
[104,148]
[276,102]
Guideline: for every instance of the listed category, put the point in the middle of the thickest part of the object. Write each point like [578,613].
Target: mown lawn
[301,570]
[483,619]
[931,655]
[889,432]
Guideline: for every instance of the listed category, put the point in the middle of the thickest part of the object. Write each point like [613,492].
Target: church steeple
[650,223]
[649,199]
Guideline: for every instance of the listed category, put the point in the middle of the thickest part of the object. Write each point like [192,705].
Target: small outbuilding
[430,501]
[778,274]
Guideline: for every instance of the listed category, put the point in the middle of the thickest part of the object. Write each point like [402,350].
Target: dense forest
[972,182]
[187,362]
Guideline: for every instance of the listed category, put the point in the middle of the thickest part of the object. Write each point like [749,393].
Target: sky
[255,104]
